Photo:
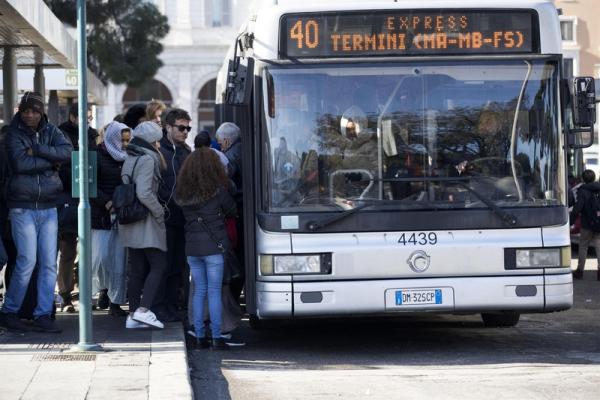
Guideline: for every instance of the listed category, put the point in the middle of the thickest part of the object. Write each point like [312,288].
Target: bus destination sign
[398,33]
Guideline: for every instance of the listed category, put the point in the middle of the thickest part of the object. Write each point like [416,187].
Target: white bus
[404,156]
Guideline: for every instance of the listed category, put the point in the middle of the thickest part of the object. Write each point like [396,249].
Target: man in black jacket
[35,150]
[67,210]
[587,205]
[175,151]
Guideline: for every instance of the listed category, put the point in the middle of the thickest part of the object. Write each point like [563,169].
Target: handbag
[232,265]
[127,206]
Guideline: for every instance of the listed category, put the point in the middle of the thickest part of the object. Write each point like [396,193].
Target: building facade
[201,33]
[581,36]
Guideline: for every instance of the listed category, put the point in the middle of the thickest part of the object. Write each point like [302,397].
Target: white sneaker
[131,324]
[147,318]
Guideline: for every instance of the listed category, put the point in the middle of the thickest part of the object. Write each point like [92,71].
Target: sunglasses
[183,128]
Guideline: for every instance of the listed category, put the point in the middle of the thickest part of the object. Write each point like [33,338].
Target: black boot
[103,300]
[116,311]
[219,344]
[202,343]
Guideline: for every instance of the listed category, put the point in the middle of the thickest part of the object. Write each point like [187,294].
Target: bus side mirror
[239,82]
[584,104]
[584,112]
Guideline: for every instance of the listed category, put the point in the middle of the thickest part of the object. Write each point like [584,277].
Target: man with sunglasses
[174,150]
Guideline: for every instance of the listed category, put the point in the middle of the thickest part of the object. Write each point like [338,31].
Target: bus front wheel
[501,319]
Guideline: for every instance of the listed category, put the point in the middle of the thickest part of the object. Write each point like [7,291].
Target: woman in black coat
[108,255]
[202,192]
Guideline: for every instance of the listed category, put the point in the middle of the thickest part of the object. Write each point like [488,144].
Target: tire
[500,319]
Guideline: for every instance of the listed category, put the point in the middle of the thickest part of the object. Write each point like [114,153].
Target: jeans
[35,234]
[207,278]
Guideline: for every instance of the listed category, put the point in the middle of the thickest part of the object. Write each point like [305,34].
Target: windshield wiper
[316,225]
[505,216]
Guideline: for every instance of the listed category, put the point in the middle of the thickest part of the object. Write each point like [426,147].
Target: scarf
[113,141]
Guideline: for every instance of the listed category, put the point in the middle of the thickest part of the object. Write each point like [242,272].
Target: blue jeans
[207,275]
[35,234]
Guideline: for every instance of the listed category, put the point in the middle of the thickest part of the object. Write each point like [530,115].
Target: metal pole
[84,215]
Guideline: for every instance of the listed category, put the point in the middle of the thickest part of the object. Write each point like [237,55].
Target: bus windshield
[412,135]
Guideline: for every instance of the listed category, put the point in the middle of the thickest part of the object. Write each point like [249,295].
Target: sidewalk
[135,364]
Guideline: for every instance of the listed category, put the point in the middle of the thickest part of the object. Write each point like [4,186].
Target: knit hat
[148,131]
[32,100]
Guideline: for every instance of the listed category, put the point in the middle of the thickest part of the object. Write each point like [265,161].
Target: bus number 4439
[419,238]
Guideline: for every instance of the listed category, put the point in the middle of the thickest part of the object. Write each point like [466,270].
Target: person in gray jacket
[146,240]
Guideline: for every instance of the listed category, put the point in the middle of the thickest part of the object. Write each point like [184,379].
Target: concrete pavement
[135,364]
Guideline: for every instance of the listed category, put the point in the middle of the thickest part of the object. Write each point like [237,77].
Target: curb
[168,375]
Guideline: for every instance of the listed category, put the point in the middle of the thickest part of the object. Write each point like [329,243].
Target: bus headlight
[543,258]
[295,264]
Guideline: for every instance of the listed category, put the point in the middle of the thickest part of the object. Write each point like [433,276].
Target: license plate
[418,297]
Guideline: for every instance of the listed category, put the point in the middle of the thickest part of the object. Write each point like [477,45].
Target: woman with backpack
[108,255]
[202,192]
[145,238]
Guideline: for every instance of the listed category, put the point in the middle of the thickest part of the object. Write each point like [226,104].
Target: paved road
[547,356]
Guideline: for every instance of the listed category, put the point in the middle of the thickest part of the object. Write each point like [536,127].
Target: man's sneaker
[191,331]
[12,322]
[226,335]
[131,324]
[45,324]
[147,318]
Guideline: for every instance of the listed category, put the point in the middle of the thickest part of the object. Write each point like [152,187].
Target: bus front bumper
[530,293]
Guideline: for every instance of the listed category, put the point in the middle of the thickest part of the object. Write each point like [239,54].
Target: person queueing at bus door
[174,151]
[108,255]
[146,240]
[67,213]
[203,194]
[588,205]
[154,111]
[35,149]
[229,137]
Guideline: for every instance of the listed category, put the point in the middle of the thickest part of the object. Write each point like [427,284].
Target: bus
[404,157]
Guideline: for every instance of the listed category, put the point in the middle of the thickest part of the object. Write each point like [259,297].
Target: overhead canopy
[41,39]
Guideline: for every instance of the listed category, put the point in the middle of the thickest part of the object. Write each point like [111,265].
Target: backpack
[127,206]
[593,211]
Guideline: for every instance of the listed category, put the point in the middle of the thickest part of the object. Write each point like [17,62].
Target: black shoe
[577,274]
[103,300]
[219,344]
[202,343]
[45,324]
[13,323]
[116,311]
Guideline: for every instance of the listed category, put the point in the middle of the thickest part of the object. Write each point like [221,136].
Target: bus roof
[265,24]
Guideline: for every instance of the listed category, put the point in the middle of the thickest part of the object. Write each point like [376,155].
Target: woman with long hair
[203,194]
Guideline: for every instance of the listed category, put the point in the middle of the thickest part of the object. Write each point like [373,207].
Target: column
[53,113]
[39,81]
[9,76]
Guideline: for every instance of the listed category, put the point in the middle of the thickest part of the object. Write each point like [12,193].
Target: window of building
[568,29]
[148,91]
[568,67]
[218,13]
[206,106]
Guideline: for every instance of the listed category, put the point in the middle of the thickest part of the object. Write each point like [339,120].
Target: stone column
[9,76]
[39,81]
[53,107]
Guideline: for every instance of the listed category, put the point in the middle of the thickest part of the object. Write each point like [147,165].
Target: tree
[123,37]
